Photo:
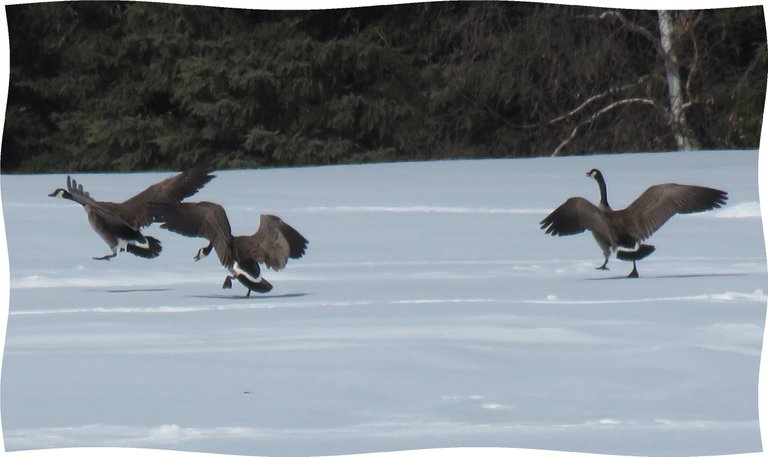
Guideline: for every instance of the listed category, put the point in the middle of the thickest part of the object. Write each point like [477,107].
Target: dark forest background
[112,86]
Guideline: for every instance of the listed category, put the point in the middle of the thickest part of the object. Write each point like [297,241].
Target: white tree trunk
[683,136]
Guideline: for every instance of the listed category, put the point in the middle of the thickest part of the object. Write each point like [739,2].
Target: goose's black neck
[603,190]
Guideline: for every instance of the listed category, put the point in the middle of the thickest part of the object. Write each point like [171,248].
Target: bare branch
[594,117]
[631,26]
[694,66]
[594,98]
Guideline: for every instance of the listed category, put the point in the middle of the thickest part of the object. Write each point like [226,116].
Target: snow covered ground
[430,311]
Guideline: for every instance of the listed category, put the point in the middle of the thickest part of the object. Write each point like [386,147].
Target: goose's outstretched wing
[574,216]
[103,221]
[200,219]
[275,242]
[659,203]
[110,227]
[171,190]
[78,193]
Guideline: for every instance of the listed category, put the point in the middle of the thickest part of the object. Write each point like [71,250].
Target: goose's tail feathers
[150,251]
[642,252]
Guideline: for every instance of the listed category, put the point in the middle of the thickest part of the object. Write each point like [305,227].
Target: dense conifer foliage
[97,86]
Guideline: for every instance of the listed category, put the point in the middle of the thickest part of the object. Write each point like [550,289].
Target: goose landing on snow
[272,245]
[117,233]
[623,231]
[119,224]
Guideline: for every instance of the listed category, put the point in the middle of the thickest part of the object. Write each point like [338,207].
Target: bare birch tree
[677,102]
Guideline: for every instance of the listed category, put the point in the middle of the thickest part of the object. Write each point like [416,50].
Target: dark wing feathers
[272,244]
[296,241]
[169,191]
[201,219]
[135,211]
[78,193]
[574,216]
[109,225]
[104,220]
[659,203]
[275,242]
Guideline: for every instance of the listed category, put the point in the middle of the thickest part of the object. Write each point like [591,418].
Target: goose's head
[60,193]
[594,173]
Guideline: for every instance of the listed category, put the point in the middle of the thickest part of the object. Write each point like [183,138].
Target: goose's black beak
[52,194]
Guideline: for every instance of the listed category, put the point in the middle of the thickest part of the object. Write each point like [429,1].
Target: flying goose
[272,244]
[119,224]
[623,231]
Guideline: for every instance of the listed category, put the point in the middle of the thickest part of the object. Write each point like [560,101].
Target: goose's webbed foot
[604,266]
[105,257]
[634,273]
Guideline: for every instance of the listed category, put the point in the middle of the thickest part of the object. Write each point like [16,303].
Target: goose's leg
[634,274]
[228,285]
[606,248]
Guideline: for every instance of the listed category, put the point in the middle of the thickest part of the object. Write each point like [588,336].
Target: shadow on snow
[252,297]
[691,275]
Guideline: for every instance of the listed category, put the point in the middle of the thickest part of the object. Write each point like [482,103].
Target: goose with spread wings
[120,224]
[272,245]
[622,231]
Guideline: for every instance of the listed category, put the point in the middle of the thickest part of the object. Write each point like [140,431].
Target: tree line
[114,86]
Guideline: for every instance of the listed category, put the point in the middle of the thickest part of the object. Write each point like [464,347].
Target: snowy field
[430,311]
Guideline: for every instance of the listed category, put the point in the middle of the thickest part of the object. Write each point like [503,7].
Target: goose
[272,245]
[622,231]
[119,224]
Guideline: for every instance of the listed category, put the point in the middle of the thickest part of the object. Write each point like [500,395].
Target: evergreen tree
[98,86]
